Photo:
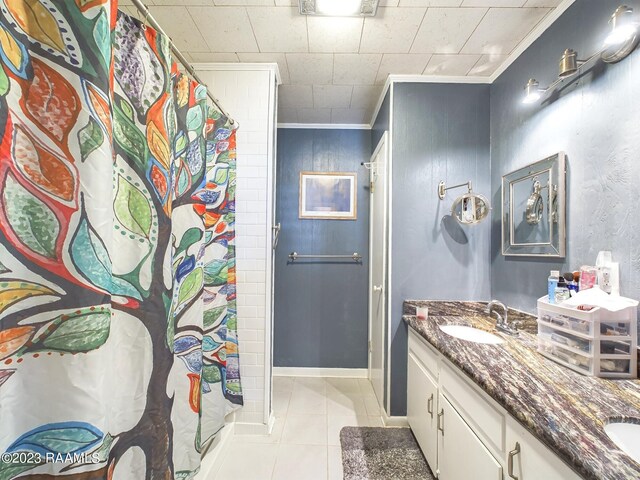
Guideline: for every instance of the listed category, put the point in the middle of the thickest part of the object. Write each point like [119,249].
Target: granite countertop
[562,408]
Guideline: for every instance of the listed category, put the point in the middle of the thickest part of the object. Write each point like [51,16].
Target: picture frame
[328,196]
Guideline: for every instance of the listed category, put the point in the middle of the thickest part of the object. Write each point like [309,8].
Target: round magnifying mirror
[470,208]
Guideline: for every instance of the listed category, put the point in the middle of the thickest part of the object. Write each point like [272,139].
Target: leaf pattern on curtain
[117,256]
[221,369]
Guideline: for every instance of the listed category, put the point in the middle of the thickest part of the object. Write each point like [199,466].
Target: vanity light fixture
[623,38]
[533,92]
[620,42]
[339,8]
[569,63]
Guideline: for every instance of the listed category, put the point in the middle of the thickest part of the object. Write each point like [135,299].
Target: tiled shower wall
[248,94]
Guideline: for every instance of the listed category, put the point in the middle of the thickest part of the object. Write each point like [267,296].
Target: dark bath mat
[373,453]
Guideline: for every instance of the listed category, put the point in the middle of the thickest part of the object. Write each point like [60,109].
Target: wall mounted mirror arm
[442,188]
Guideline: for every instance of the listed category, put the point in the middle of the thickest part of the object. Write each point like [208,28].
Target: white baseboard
[320,372]
[253,428]
[272,422]
[394,421]
[215,455]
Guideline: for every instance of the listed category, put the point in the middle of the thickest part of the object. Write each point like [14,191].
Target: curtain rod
[148,17]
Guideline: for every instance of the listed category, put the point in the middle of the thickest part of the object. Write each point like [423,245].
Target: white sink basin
[471,334]
[626,436]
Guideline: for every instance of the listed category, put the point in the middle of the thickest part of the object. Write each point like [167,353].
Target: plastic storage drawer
[598,342]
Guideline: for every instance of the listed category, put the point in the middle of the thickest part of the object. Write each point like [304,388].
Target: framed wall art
[328,196]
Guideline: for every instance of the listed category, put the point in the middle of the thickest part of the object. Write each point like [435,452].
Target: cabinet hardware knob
[441,423]
[430,405]
[512,454]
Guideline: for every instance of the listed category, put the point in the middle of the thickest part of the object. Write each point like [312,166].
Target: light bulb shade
[621,18]
[620,35]
[623,38]
[532,91]
[568,63]
[339,8]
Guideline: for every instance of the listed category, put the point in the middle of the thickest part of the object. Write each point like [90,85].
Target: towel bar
[356,257]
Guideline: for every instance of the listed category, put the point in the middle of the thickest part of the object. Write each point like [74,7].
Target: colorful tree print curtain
[118,337]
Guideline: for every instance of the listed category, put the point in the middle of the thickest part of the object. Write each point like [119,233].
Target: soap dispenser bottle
[552,283]
[562,291]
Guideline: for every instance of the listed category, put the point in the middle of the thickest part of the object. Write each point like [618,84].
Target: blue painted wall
[456,133]
[596,121]
[381,123]
[440,132]
[321,311]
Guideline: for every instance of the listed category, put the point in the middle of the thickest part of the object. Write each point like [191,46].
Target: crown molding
[391,79]
[437,79]
[536,33]
[544,24]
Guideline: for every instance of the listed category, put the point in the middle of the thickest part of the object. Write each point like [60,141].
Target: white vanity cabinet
[463,433]
[461,454]
[422,402]
[532,460]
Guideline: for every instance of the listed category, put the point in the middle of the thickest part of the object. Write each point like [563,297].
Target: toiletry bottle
[572,285]
[615,278]
[576,279]
[603,264]
[552,283]
[588,277]
[562,292]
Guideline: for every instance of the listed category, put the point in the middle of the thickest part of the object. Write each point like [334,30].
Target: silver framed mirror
[533,209]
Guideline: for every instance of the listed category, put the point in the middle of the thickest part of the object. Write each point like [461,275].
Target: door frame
[383,143]
[272,163]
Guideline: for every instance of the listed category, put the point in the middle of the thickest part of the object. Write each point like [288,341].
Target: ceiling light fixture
[620,42]
[339,8]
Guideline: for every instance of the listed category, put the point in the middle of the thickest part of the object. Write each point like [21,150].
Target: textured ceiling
[333,69]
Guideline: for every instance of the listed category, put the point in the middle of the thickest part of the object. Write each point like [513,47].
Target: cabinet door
[534,461]
[422,396]
[461,454]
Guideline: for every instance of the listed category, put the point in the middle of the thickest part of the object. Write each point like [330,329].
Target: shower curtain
[118,337]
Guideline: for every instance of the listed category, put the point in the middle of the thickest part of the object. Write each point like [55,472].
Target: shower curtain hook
[146,17]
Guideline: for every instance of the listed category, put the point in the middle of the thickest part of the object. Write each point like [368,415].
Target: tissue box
[599,342]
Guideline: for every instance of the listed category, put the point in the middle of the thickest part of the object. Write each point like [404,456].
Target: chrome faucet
[502,323]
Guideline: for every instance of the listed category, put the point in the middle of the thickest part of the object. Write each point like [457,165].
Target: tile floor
[305,442]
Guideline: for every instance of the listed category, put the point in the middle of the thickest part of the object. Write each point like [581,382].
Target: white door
[422,398]
[275,234]
[531,459]
[461,454]
[378,177]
